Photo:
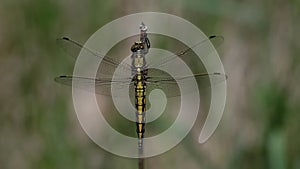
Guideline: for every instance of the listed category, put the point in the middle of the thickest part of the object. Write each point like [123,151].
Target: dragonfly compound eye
[134,47]
[137,46]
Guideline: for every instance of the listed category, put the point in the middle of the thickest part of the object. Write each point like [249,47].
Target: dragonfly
[137,73]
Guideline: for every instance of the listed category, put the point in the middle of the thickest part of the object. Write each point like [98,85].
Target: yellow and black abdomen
[140,103]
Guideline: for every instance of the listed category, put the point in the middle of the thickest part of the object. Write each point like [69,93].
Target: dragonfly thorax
[139,60]
[139,50]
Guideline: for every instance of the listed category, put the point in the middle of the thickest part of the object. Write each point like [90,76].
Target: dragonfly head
[137,46]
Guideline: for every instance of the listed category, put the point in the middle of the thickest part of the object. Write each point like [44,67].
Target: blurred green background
[260,127]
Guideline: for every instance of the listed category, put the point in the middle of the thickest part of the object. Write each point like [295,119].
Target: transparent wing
[156,79]
[101,86]
[168,84]
[103,82]
[206,46]
[73,48]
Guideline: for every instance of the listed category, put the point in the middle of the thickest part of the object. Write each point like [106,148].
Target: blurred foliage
[259,129]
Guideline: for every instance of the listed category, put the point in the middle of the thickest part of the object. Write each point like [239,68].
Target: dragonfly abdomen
[140,103]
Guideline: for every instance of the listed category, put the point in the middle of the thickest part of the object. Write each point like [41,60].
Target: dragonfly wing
[170,85]
[185,53]
[100,86]
[73,48]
